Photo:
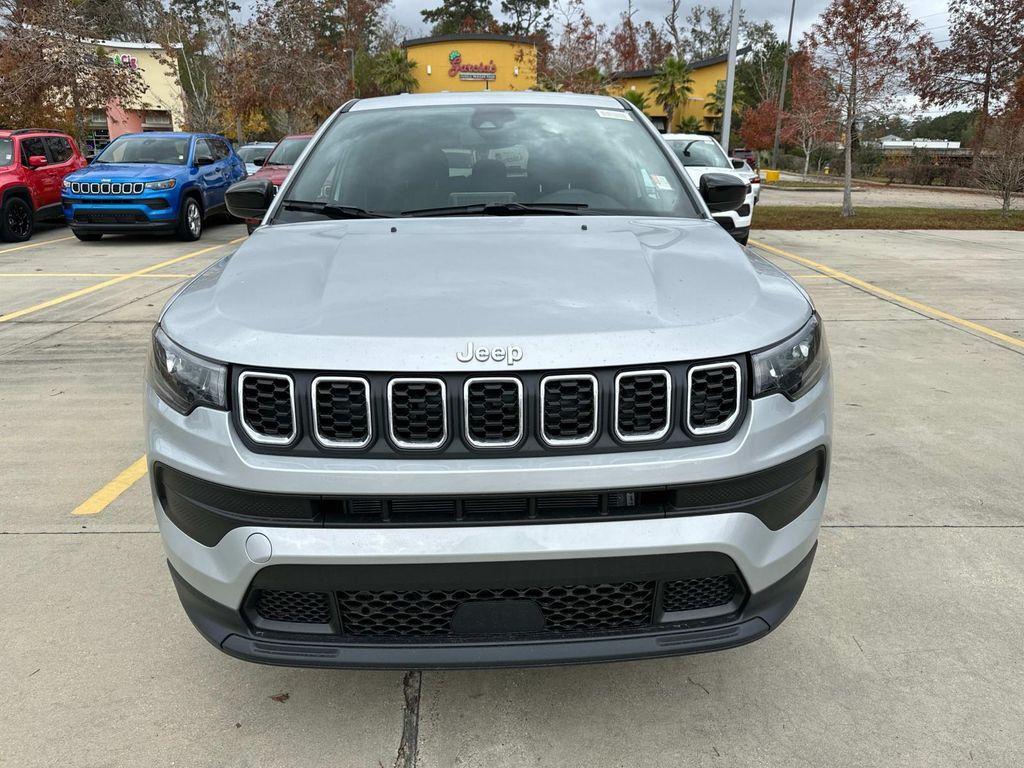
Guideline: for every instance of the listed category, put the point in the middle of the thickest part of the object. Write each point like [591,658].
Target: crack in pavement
[408,747]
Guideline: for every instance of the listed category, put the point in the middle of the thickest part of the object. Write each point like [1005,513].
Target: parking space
[905,649]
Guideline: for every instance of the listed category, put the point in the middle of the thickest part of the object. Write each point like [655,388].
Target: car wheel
[17,221]
[87,237]
[190,220]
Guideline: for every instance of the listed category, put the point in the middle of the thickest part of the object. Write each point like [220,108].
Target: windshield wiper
[333,211]
[502,209]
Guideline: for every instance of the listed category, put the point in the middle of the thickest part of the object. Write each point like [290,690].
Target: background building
[472,62]
[705,73]
[161,107]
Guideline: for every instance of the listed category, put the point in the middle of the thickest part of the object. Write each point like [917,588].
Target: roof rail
[18,131]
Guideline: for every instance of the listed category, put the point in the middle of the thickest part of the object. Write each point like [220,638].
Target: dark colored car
[277,165]
[33,164]
[152,182]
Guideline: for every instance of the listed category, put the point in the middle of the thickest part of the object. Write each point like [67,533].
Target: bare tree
[573,64]
[999,165]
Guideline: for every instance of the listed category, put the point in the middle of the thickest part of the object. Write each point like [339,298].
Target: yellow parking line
[109,492]
[90,274]
[896,298]
[36,244]
[107,283]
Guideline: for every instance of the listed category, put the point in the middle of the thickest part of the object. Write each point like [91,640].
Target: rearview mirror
[259,160]
[739,165]
[722,192]
[204,160]
[249,199]
[36,161]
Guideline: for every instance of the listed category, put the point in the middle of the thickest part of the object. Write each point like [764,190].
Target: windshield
[288,151]
[700,152]
[6,152]
[452,160]
[172,150]
[250,154]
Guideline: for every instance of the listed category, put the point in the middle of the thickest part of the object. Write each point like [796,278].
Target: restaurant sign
[457,68]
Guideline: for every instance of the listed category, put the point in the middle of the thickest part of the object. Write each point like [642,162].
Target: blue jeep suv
[152,182]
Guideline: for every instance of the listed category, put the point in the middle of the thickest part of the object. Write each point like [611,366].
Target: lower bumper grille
[110,217]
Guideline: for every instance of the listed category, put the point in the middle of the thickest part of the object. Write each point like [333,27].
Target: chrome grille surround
[252,434]
[333,442]
[391,413]
[557,442]
[644,436]
[466,415]
[725,425]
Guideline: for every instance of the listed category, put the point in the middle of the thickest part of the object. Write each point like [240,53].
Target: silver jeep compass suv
[489,386]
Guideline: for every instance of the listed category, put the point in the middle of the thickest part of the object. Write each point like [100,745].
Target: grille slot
[342,411]
[429,613]
[643,405]
[493,412]
[267,407]
[712,397]
[417,413]
[700,593]
[293,607]
[569,409]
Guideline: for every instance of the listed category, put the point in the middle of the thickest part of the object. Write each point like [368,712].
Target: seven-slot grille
[267,405]
[341,411]
[530,412]
[712,397]
[417,413]
[108,188]
[643,405]
[494,412]
[569,409]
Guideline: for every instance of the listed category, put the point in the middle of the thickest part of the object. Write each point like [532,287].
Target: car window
[220,149]
[60,149]
[32,146]
[170,150]
[700,152]
[203,150]
[287,151]
[408,159]
[251,154]
[6,152]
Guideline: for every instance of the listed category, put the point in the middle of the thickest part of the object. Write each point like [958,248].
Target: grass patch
[800,184]
[828,217]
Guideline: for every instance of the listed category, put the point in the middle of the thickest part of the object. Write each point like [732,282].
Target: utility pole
[351,53]
[239,136]
[730,77]
[782,90]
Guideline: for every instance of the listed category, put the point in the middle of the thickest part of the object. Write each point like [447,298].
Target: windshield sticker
[613,114]
[661,183]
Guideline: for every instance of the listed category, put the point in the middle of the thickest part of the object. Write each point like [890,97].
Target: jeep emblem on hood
[511,354]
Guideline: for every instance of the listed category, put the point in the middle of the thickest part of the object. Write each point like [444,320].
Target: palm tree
[714,106]
[689,124]
[637,98]
[673,85]
[393,73]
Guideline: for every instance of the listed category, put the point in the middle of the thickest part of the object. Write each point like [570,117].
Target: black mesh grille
[342,411]
[493,411]
[643,405]
[713,396]
[293,607]
[428,613]
[694,594]
[417,412]
[266,406]
[569,409]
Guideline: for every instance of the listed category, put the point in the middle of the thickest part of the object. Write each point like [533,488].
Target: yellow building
[472,62]
[160,108]
[705,73]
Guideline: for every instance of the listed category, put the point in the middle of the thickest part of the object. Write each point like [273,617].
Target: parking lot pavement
[897,196]
[905,649]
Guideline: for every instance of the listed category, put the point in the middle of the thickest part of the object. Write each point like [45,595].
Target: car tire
[190,220]
[17,220]
[87,237]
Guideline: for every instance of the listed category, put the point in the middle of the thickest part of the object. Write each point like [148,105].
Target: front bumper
[214,581]
[152,212]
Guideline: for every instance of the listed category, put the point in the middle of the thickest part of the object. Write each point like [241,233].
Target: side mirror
[37,161]
[738,164]
[259,160]
[249,199]
[722,192]
[204,160]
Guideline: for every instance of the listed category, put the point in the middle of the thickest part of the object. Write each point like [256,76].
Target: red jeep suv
[33,164]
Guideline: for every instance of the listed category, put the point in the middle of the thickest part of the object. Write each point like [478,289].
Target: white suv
[700,155]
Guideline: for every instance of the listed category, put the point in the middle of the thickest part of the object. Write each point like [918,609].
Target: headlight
[183,380]
[66,184]
[795,365]
[165,184]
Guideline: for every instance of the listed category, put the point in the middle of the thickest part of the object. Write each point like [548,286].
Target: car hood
[274,173]
[407,295]
[127,172]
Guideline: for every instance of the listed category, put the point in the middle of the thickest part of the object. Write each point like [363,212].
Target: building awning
[699,64]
